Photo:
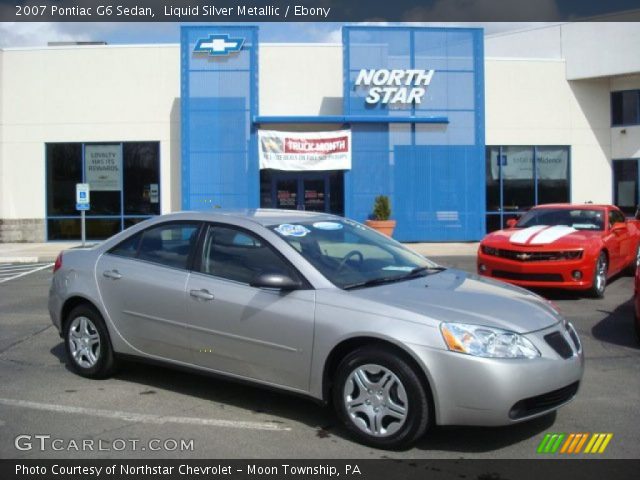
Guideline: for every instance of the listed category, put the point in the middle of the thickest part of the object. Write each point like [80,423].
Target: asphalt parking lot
[154,412]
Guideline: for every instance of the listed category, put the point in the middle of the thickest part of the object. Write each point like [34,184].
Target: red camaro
[637,302]
[576,247]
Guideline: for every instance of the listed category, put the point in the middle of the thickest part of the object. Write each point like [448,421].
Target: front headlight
[490,342]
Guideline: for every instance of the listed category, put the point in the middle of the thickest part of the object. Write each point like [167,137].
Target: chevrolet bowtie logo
[523,256]
[218,44]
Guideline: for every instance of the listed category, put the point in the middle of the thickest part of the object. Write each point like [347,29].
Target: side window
[127,248]
[615,217]
[239,255]
[169,244]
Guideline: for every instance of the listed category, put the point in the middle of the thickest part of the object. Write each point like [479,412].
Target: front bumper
[480,391]
[549,274]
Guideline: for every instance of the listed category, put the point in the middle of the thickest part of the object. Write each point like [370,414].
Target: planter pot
[383,226]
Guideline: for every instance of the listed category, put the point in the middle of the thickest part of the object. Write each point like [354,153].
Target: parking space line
[27,272]
[142,417]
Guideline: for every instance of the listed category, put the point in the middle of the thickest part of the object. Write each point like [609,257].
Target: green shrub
[381,208]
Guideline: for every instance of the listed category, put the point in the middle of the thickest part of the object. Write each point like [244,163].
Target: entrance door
[301,191]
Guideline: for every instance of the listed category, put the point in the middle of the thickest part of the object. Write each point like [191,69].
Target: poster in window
[103,167]
[154,193]
[517,163]
[626,193]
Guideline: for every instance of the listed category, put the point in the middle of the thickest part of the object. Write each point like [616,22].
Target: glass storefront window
[552,173]
[519,177]
[124,179]
[141,178]
[518,187]
[625,185]
[64,170]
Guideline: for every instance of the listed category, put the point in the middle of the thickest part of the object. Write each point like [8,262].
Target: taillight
[58,265]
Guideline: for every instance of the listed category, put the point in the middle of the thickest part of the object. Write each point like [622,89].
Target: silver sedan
[321,306]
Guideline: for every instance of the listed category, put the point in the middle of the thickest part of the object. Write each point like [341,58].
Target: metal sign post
[82,204]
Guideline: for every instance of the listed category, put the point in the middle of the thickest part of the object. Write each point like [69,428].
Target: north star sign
[218,44]
[395,86]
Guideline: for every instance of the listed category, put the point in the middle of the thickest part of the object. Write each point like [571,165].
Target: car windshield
[578,218]
[351,255]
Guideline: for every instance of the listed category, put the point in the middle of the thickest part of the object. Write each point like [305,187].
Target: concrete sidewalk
[47,252]
[32,252]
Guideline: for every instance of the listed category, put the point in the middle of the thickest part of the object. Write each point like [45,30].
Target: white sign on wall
[394,86]
[517,163]
[300,151]
[103,167]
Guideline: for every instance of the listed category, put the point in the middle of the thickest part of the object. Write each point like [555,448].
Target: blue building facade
[427,152]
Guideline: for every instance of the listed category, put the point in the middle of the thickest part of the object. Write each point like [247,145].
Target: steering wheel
[352,253]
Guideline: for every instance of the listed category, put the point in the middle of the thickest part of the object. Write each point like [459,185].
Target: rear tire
[380,398]
[599,281]
[87,343]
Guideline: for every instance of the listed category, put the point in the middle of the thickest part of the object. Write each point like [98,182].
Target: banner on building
[103,167]
[302,151]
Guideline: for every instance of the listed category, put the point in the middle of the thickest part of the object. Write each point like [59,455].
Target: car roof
[261,216]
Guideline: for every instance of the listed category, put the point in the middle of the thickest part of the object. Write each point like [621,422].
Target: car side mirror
[275,281]
[511,223]
[617,227]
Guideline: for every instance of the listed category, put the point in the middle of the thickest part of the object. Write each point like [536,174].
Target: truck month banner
[300,151]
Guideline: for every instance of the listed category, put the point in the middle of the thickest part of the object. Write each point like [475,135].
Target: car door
[620,241]
[254,333]
[143,282]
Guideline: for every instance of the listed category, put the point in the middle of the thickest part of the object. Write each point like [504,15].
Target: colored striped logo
[574,443]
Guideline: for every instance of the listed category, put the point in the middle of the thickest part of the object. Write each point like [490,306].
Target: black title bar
[316,10]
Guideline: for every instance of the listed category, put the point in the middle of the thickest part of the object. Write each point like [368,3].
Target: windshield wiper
[415,273]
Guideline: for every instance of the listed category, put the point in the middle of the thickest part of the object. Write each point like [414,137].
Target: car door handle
[201,294]
[112,274]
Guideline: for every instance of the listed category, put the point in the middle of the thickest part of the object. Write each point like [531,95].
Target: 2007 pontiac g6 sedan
[321,306]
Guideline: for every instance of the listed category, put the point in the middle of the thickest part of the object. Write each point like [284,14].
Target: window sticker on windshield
[354,224]
[289,230]
[398,268]
[327,226]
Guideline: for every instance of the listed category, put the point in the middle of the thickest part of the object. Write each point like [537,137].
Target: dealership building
[461,130]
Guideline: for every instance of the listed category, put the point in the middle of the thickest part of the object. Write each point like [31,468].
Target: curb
[24,260]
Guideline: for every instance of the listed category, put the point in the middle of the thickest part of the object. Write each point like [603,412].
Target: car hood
[541,236]
[457,296]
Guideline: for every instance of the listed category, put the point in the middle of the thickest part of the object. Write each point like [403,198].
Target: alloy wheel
[375,400]
[84,342]
[601,273]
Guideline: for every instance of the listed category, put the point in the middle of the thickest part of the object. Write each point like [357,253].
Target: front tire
[380,399]
[87,343]
[599,282]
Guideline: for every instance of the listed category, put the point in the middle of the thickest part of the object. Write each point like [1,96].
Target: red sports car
[576,247]
[637,302]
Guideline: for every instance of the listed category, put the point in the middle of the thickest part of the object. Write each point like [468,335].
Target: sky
[38,34]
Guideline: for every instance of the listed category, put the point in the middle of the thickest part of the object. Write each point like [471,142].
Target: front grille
[541,403]
[524,256]
[557,341]
[530,277]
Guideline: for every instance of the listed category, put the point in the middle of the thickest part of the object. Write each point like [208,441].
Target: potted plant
[380,218]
